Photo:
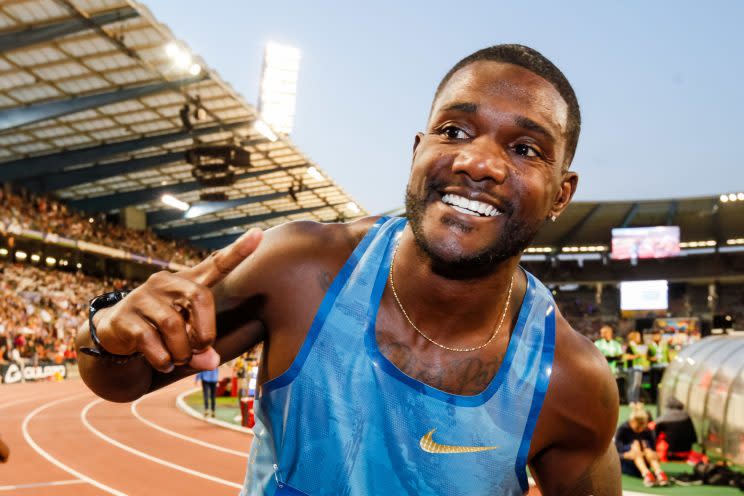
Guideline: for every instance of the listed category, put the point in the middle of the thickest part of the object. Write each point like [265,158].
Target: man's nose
[482,161]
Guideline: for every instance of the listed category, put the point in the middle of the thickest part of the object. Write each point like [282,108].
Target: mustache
[506,204]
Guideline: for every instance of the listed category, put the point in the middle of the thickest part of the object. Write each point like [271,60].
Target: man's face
[606,333]
[488,171]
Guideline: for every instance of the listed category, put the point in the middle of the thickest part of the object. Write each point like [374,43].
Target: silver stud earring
[553,217]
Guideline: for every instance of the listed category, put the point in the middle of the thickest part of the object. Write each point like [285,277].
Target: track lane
[60,431]
[26,465]
[158,408]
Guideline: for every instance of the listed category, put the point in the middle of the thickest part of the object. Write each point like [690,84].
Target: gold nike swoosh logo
[428,444]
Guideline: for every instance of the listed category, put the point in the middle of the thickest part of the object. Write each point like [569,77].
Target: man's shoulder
[578,357]
[582,395]
[310,239]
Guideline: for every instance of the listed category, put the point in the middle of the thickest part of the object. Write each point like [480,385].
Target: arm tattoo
[324,279]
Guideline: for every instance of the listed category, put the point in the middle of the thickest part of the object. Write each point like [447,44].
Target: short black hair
[533,61]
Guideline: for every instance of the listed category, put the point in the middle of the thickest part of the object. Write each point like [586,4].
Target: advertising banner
[11,373]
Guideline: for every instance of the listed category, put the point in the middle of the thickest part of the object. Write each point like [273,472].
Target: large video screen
[643,295]
[645,242]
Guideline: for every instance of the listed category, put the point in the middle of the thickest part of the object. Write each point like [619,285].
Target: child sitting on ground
[635,443]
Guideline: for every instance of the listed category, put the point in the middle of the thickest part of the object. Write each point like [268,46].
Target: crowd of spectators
[41,312]
[41,213]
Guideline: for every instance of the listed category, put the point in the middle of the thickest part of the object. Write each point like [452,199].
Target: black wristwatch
[104,301]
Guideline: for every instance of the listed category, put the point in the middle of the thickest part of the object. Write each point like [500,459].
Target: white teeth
[471,207]
[464,210]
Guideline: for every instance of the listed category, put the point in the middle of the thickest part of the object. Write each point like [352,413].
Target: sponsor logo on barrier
[12,373]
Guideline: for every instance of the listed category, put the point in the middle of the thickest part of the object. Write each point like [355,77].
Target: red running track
[66,441]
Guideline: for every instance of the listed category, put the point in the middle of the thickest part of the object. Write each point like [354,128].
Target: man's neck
[446,307]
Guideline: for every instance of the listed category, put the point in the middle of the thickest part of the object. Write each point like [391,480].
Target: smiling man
[401,356]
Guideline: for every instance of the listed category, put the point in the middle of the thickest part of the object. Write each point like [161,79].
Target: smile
[470,207]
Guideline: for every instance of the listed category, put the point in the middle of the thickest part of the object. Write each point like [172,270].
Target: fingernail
[169,369]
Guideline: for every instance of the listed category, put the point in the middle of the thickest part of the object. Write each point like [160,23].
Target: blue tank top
[344,420]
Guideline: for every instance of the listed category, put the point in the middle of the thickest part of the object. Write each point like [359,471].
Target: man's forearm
[111,380]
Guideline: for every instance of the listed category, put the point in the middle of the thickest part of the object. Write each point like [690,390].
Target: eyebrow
[467,107]
[530,125]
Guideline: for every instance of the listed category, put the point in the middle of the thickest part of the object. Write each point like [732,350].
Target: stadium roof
[94,110]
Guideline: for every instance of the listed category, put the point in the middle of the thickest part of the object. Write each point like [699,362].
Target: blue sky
[659,83]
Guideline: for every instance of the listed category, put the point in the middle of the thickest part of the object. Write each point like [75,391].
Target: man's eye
[526,150]
[454,133]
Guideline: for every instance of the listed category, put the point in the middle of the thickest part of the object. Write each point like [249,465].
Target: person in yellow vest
[609,347]
[658,356]
[636,354]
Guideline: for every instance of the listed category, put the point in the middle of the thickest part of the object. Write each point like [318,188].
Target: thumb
[206,360]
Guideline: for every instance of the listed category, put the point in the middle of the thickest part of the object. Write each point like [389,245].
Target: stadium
[123,154]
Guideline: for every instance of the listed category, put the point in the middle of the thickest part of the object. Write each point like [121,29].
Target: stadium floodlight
[265,130]
[353,207]
[171,49]
[732,197]
[278,94]
[723,198]
[35,257]
[79,265]
[740,196]
[3,252]
[195,69]
[174,202]
[50,261]
[21,255]
[315,173]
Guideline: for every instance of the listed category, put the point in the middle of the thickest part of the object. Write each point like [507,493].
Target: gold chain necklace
[496,329]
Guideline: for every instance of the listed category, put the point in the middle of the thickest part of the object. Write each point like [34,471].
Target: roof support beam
[210,227]
[120,200]
[57,162]
[632,212]
[22,116]
[197,210]
[672,212]
[573,230]
[61,180]
[34,35]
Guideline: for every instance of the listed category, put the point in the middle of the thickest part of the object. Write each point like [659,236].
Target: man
[658,355]
[609,347]
[403,357]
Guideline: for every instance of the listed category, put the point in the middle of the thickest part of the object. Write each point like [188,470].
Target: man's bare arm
[170,320]
[578,420]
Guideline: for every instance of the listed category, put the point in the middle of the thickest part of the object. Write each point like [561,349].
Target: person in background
[635,443]
[609,347]
[658,356]
[675,432]
[209,380]
[636,354]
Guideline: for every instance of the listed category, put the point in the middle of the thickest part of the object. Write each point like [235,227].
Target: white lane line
[84,419]
[54,461]
[242,454]
[181,404]
[42,484]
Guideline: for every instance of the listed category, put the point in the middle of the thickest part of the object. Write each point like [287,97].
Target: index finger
[216,266]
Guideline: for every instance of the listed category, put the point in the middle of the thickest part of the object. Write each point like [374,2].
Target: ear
[565,192]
